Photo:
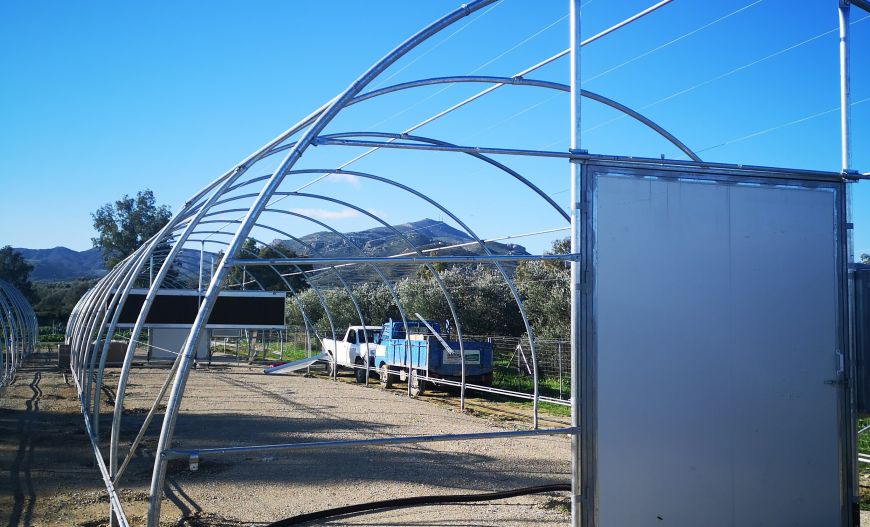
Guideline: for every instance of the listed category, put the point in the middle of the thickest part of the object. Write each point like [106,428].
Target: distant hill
[380,241]
[61,263]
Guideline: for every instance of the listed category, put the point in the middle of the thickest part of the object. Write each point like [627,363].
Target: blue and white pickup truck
[425,354]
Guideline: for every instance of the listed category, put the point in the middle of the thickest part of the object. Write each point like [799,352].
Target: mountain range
[381,241]
[61,263]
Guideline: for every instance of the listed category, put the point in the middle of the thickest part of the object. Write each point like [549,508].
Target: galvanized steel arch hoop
[19,330]
[95,318]
[210,297]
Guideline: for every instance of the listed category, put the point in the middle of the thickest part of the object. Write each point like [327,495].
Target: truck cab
[354,350]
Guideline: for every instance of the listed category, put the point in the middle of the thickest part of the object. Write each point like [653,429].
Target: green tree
[482,299]
[15,270]
[374,299]
[57,299]
[544,287]
[126,224]
[865,258]
[376,303]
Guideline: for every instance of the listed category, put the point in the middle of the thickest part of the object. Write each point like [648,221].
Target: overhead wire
[765,131]
[781,126]
[625,63]
[499,56]
[727,74]
[489,89]
[494,87]
[673,41]
[712,79]
[443,41]
[442,113]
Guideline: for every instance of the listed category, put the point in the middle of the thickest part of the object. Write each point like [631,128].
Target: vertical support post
[846,166]
[201,254]
[582,514]
[559,351]
[845,95]
[151,270]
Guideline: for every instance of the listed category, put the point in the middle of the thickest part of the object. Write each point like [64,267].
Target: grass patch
[273,351]
[864,468]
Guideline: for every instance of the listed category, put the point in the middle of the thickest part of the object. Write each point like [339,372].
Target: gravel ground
[48,477]
[51,480]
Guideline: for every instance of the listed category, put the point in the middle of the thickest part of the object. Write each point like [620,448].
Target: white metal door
[716,305]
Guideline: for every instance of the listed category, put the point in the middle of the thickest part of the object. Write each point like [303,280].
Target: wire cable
[417,501]
[671,42]
[726,74]
[780,126]
[494,87]
[465,26]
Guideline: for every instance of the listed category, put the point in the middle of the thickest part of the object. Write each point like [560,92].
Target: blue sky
[98,99]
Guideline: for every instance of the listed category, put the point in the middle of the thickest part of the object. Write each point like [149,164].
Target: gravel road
[48,477]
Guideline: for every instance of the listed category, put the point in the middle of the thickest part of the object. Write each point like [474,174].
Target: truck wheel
[360,371]
[329,366]
[386,379]
[418,385]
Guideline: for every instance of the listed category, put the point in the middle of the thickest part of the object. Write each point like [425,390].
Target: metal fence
[513,368]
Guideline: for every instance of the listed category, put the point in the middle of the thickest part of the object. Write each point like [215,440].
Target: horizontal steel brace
[400,260]
[422,146]
[258,449]
[581,158]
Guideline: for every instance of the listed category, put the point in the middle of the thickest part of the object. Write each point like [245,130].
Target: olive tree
[544,287]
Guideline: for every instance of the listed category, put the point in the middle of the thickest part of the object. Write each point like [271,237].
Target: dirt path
[45,464]
[20,479]
[48,478]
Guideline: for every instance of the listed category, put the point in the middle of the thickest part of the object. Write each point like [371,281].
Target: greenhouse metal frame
[18,329]
[245,199]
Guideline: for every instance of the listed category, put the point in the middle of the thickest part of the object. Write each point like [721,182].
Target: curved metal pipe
[377,269]
[521,81]
[18,327]
[508,281]
[210,297]
[447,296]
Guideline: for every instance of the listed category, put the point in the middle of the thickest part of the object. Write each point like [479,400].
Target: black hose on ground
[418,501]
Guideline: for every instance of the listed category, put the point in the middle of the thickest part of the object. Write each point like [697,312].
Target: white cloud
[324,214]
[344,178]
[379,213]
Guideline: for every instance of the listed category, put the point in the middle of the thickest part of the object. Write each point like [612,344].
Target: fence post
[559,351]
